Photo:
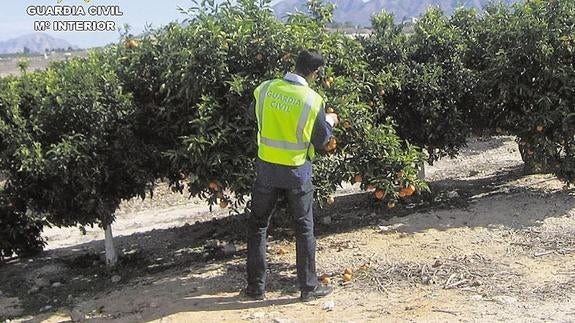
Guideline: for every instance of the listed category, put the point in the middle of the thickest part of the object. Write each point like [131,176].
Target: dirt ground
[488,245]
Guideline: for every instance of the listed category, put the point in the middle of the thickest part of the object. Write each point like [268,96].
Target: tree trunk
[111,255]
[535,161]
[421,171]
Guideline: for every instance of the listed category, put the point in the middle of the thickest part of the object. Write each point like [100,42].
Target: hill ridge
[34,43]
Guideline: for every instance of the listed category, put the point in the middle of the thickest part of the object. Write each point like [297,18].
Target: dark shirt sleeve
[321,132]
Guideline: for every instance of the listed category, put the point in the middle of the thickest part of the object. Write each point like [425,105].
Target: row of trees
[81,136]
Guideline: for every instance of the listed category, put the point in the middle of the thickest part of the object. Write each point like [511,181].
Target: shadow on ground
[171,261]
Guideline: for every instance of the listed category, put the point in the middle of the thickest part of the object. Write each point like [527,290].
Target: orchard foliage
[193,85]
[69,149]
[20,230]
[529,80]
[421,81]
[173,103]
[509,70]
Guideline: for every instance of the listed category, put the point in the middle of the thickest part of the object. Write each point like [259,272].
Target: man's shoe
[319,291]
[252,296]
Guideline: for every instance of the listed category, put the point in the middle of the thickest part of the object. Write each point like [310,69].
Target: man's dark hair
[308,61]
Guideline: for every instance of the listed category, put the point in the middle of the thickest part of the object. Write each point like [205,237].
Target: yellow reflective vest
[286,114]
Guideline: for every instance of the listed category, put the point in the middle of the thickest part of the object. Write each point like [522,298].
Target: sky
[15,20]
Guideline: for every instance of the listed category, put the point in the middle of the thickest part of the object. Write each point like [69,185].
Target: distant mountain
[359,12]
[34,43]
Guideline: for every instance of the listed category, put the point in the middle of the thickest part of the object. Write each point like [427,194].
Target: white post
[111,255]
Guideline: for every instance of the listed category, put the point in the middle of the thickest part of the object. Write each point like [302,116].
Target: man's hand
[332,119]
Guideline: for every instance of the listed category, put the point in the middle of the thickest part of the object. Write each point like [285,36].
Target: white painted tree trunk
[421,171]
[111,255]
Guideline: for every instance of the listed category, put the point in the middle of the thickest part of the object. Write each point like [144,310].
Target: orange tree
[529,80]
[420,80]
[68,144]
[369,152]
[84,134]
[193,85]
[20,230]
[469,25]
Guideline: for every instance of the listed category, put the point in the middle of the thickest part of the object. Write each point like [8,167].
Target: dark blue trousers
[300,206]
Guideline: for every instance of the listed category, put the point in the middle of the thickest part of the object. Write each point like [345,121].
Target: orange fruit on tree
[214,186]
[379,194]
[347,277]
[358,178]
[331,144]
[326,280]
[329,110]
[223,204]
[330,79]
[132,43]
[346,124]
[330,200]
[409,190]
[402,193]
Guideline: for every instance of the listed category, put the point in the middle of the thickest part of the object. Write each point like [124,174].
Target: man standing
[292,125]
